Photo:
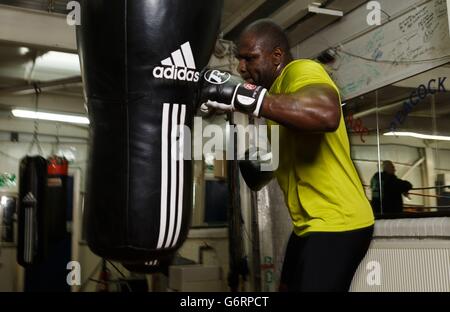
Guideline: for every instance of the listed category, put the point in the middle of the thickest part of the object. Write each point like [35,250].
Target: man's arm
[402,186]
[313,108]
[396,185]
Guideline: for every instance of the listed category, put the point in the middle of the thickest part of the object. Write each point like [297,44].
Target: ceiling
[61,82]
[236,14]
[57,6]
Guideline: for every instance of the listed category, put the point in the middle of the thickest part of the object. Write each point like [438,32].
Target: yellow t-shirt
[321,186]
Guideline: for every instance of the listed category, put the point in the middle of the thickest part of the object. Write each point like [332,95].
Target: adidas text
[175,73]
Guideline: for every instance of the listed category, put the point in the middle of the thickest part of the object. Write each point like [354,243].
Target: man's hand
[224,92]
[252,170]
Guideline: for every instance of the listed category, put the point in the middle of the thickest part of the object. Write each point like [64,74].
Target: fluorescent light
[3,201]
[318,10]
[23,50]
[50,116]
[419,136]
[59,61]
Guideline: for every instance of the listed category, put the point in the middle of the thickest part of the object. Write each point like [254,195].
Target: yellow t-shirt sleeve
[304,73]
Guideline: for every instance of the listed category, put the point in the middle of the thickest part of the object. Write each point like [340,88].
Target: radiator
[405,265]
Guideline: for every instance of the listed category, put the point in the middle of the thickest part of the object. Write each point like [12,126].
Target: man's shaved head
[388,166]
[262,51]
[270,33]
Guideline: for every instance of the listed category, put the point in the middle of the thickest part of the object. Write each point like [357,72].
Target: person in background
[392,188]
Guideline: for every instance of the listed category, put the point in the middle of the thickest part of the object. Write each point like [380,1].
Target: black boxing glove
[252,172]
[222,91]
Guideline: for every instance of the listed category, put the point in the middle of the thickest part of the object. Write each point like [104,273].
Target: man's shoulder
[300,73]
[303,64]
[305,69]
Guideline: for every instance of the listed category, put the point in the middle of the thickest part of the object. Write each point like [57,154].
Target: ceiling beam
[63,92]
[25,27]
[241,15]
[47,85]
[63,130]
[290,13]
[262,11]
[47,102]
[316,22]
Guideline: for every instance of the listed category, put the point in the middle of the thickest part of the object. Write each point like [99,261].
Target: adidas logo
[151,263]
[29,198]
[179,66]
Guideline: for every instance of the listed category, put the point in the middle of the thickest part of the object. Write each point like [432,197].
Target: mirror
[400,143]
[8,204]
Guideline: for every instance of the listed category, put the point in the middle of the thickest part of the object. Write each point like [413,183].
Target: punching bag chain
[51,6]
[35,140]
[55,147]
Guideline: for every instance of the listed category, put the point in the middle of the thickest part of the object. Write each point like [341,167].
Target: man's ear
[277,56]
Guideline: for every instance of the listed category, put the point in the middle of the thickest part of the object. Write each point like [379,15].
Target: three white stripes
[181,58]
[29,229]
[171,201]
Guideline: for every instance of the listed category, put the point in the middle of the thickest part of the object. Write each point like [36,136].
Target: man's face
[256,64]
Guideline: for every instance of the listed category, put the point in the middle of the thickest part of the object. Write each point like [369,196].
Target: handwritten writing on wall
[356,125]
[401,47]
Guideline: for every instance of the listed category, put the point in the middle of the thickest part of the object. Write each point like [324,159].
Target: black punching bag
[32,229]
[140,62]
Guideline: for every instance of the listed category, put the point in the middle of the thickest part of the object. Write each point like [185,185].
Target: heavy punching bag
[32,216]
[140,63]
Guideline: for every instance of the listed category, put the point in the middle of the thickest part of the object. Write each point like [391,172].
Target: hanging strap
[55,147]
[35,140]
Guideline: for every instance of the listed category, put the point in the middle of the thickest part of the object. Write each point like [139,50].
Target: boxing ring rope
[428,207]
[429,188]
[421,207]
[430,196]
[420,188]
[433,196]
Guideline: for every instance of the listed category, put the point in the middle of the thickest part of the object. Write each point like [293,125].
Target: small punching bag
[140,62]
[56,199]
[32,229]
